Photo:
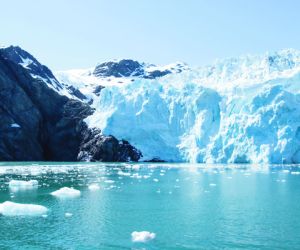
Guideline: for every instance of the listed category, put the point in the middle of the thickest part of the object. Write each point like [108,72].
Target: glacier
[237,110]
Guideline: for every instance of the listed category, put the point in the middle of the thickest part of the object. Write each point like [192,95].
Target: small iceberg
[9,208]
[18,185]
[94,187]
[68,214]
[66,192]
[142,236]
[15,125]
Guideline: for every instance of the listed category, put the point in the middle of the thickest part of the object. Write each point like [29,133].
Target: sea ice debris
[142,236]
[9,208]
[18,185]
[66,192]
[94,187]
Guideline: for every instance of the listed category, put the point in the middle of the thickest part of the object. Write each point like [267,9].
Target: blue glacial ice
[238,110]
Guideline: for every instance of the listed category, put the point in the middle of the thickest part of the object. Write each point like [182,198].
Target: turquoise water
[186,206]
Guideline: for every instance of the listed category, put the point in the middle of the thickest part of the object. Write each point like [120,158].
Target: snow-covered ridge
[37,70]
[115,73]
[237,110]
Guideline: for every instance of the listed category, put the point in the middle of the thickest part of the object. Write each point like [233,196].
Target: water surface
[186,206]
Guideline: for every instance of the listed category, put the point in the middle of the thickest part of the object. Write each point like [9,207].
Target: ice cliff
[238,110]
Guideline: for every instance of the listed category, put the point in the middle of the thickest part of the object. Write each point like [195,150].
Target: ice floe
[94,187]
[9,208]
[142,236]
[19,185]
[66,192]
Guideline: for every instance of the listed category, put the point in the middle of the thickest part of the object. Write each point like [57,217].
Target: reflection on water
[187,206]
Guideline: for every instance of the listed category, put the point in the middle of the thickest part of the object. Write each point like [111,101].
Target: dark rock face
[119,69]
[37,123]
[127,68]
[35,68]
[76,92]
[96,147]
[18,56]
[156,73]
[97,90]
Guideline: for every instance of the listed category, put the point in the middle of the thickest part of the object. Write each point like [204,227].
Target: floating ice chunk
[94,187]
[213,184]
[295,173]
[68,214]
[135,167]
[142,236]
[9,208]
[155,180]
[23,183]
[109,181]
[18,185]
[66,192]
[120,172]
[15,125]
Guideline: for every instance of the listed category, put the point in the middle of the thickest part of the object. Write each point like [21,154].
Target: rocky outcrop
[131,68]
[37,123]
[122,68]
[96,147]
[37,70]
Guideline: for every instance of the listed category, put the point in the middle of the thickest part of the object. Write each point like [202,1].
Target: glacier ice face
[238,110]
[161,121]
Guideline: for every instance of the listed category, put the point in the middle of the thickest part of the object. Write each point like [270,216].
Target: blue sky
[66,34]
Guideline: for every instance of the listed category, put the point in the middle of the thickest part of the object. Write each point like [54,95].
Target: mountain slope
[237,110]
[38,122]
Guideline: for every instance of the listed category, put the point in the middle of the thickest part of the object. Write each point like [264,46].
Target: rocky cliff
[38,122]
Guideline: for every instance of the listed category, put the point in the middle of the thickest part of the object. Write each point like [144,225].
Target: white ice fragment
[295,173]
[120,172]
[142,236]
[135,167]
[15,125]
[9,208]
[155,180]
[18,185]
[68,214]
[94,187]
[109,181]
[66,192]
[213,184]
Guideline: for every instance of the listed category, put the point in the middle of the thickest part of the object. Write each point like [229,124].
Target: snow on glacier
[237,110]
